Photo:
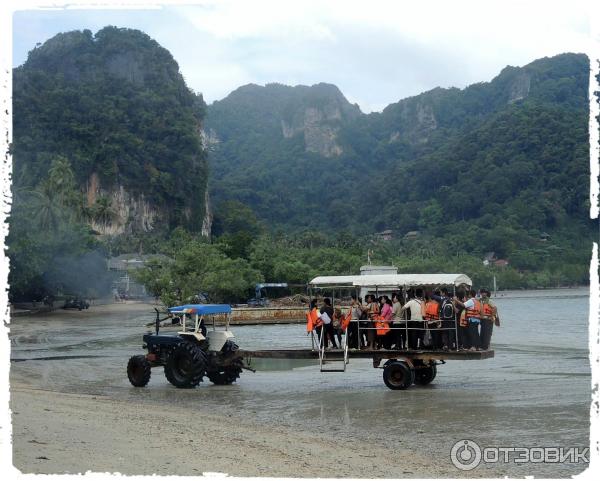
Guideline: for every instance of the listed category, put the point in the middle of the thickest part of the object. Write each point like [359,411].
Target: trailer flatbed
[437,355]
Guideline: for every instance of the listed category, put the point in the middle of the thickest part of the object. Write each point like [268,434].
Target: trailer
[401,367]
[195,351]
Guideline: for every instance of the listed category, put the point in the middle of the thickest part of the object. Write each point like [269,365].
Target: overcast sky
[376,52]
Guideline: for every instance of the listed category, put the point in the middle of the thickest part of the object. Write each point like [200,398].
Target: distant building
[123,285]
[385,235]
[488,258]
[413,234]
[544,236]
[501,263]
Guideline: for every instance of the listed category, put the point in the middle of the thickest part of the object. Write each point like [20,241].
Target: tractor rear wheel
[398,375]
[224,375]
[185,365]
[138,370]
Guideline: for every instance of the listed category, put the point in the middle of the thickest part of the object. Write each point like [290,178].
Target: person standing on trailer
[489,317]
[415,325]
[326,315]
[399,333]
[337,324]
[352,331]
[371,310]
[461,319]
[385,340]
[431,314]
[374,312]
[364,322]
[473,315]
[313,322]
[447,318]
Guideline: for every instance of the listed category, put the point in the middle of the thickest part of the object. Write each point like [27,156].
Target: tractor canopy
[201,309]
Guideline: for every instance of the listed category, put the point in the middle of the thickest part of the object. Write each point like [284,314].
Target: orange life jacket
[381,325]
[373,310]
[463,318]
[312,320]
[476,311]
[346,320]
[309,322]
[487,311]
[431,310]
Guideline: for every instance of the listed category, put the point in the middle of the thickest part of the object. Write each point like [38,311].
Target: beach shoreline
[59,433]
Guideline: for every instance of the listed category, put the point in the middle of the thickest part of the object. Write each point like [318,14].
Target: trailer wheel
[398,375]
[224,375]
[185,365]
[425,375]
[138,371]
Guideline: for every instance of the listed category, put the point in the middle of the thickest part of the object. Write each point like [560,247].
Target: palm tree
[46,211]
[60,173]
[61,179]
[103,212]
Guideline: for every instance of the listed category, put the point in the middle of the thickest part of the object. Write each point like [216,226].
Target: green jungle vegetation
[243,254]
[473,171]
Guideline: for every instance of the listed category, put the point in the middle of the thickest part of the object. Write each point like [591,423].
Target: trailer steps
[338,356]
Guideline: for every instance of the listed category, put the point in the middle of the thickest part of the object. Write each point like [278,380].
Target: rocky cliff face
[126,212]
[319,127]
[129,212]
[519,89]
[315,114]
[208,217]
[418,120]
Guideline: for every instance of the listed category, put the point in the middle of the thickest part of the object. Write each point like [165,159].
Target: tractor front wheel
[138,370]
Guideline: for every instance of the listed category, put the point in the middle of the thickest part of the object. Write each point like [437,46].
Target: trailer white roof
[334,280]
[394,280]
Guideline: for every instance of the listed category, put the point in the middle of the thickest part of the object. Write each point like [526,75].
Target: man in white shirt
[415,325]
[326,315]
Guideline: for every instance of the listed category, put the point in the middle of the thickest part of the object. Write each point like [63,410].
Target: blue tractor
[191,353]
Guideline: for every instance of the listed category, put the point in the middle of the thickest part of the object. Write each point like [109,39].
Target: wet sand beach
[71,433]
[74,409]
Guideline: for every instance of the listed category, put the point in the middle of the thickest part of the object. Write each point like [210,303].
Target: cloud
[376,53]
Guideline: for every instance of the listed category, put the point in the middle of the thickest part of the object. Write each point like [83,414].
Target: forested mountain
[115,105]
[491,167]
[521,136]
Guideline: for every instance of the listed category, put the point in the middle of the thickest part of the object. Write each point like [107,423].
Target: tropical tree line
[244,252]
